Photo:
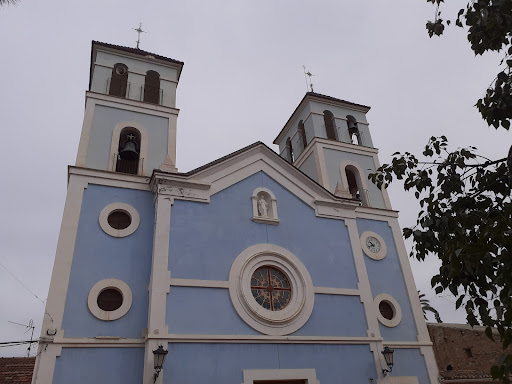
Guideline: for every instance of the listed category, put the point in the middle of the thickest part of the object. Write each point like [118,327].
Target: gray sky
[241,81]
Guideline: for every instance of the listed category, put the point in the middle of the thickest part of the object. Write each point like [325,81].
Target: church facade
[257,268]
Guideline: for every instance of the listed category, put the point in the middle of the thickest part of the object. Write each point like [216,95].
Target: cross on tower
[139,31]
[130,137]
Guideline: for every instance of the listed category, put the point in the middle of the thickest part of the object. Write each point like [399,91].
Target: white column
[159,285]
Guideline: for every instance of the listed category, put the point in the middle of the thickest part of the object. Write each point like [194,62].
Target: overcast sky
[241,81]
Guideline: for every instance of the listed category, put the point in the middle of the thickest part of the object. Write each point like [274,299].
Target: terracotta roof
[136,51]
[325,97]
[16,370]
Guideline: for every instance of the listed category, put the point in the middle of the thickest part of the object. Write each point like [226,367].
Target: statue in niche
[262,207]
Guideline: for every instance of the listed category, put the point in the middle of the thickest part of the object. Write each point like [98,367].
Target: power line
[19,281]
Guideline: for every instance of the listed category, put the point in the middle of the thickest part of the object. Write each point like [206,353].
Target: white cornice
[131,105]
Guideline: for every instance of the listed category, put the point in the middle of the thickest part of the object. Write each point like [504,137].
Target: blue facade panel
[206,238]
[224,363]
[386,277]
[99,256]
[99,365]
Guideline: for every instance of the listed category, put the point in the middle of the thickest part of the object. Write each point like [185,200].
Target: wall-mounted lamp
[388,356]
[160,353]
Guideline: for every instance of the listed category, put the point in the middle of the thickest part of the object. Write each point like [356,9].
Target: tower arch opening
[118,80]
[290,150]
[330,126]
[355,185]
[353,130]
[152,87]
[128,153]
[302,133]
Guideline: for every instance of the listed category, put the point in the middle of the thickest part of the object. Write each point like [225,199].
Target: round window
[119,219]
[121,70]
[386,310]
[271,288]
[110,299]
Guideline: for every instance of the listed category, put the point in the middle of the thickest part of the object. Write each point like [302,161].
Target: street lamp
[160,353]
[388,356]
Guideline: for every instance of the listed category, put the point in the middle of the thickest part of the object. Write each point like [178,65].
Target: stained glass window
[271,288]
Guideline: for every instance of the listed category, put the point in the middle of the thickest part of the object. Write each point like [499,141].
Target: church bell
[129,151]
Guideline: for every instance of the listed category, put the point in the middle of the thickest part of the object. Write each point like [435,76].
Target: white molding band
[100,286]
[397,311]
[299,309]
[119,207]
[373,255]
[252,375]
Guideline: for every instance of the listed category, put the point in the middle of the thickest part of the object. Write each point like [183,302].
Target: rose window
[271,288]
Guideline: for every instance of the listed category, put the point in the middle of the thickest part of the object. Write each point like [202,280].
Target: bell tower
[329,140]
[130,111]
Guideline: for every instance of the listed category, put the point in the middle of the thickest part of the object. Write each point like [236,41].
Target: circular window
[121,70]
[119,219]
[388,310]
[109,299]
[271,289]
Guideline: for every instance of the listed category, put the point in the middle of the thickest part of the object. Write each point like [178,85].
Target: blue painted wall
[386,277]
[99,256]
[104,121]
[206,238]
[99,365]
[224,363]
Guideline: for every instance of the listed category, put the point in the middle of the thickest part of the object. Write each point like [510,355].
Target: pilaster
[159,285]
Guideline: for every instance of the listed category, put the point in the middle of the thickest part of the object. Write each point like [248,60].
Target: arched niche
[330,126]
[302,133]
[118,80]
[152,87]
[289,147]
[353,131]
[117,138]
[354,182]
[264,206]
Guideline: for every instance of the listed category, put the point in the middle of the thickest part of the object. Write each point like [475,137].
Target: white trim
[44,366]
[397,311]
[336,291]
[199,283]
[364,281]
[290,318]
[116,207]
[83,145]
[252,375]
[92,299]
[272,217]
[373,255]
[131,105]
[143,150]
[271,339]
[400,380]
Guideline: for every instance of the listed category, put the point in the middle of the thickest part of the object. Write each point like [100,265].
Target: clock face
[373,244]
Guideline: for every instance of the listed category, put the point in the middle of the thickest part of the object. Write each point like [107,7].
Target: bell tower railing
[127,165]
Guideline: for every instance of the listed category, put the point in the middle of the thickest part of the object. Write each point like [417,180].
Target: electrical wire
[19,281]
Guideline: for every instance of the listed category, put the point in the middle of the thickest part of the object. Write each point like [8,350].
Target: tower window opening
[128,154]
[302,133]
[290,150]
[330,126]
[119,80]
[152,87]
[353,130]
[355,185]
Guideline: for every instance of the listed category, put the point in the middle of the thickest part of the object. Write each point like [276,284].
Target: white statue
[262,207]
